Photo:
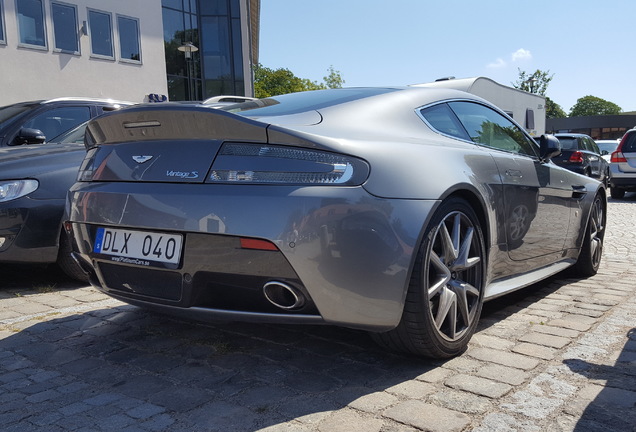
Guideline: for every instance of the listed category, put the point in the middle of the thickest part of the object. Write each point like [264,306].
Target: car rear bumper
[346,252]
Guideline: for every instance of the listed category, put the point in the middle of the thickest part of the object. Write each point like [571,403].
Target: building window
[129,46]
[101,32]
[3,39]
[65,27]
[31,23]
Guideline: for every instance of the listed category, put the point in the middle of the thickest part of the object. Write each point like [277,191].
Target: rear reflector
[247,243]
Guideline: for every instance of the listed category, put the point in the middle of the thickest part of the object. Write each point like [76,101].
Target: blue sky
[588,45]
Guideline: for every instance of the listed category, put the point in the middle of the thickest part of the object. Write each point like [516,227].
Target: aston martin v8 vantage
[394,210]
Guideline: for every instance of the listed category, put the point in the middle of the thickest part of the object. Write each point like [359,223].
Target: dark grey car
[394,210]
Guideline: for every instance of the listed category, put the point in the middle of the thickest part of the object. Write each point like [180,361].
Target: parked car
[34,180]
[37,122]
[394,210]
[623,166]
[607,147]
[579,153]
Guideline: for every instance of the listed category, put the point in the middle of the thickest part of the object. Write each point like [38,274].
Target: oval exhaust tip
[283,295]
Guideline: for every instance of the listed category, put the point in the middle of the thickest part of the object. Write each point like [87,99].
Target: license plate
[138,247]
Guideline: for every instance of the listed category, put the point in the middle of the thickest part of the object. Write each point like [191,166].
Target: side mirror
[550,146]
[29,136]
[604,152]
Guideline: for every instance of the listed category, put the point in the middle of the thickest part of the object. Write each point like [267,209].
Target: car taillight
[617,157]
[577,157]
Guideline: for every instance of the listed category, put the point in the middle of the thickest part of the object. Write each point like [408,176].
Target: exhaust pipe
[283,296]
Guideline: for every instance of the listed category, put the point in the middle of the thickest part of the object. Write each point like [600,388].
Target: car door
[536,195]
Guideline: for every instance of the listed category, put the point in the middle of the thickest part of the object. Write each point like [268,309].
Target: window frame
[21,44]
[90,34]
[3,27]
[77,36]
[529,139]
[119,39]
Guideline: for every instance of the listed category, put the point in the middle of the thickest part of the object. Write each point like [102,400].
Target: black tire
[592,248]
[67,263]
[617,193]
[445,293]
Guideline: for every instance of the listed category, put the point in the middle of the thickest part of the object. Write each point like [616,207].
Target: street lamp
[531,82]
[187,49]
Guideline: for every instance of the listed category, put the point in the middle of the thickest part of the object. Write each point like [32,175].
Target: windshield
[294,103]
[11,111]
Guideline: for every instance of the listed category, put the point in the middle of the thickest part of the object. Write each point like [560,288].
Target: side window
[592,145]
[65,27]
[101,31]
[443,119]
[31,29]
[128,39]
[3,38]
[487,127]
[58,120]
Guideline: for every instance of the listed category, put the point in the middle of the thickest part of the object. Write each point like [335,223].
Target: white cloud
[521,54]
[499,63]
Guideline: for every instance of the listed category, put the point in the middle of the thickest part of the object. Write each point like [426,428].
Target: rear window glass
[629,146]
[568,143]
[295,103]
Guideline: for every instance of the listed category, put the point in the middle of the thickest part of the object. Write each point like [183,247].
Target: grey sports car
[394,210]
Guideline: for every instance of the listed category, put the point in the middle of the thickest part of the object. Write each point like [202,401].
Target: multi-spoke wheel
[446,291]
[592,247]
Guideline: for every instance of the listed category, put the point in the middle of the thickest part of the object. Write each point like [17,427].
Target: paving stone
[479,386]
[428,417]
[545,339]
[412,389]
[534,350]
[348,420]
[503,374]
[504,358]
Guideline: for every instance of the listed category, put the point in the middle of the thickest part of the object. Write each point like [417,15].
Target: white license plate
[138,247]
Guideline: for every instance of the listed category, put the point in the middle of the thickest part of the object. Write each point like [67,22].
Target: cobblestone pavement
[557,356]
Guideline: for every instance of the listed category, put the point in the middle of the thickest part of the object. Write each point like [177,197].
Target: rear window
[295,103]
[629,145]
[568,143]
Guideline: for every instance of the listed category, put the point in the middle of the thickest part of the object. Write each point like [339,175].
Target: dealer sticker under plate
[138,247]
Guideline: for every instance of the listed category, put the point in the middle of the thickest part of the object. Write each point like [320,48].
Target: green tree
[553,109]
[334,79]
[536,82]
[592,106]
[271,82]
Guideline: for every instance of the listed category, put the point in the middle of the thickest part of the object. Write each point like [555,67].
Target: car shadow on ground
[225,376]
[613,401]
[35,277]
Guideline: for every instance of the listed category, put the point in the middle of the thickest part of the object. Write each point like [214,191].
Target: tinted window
[65,27]
[58,120]
[129,38]
[487,127]
[444,120]
[9,112]
[101,33]
[31,22]
[592,145]
[568,143]
[629,146]
[2,36]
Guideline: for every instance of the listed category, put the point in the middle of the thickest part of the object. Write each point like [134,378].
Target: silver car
[394,210]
